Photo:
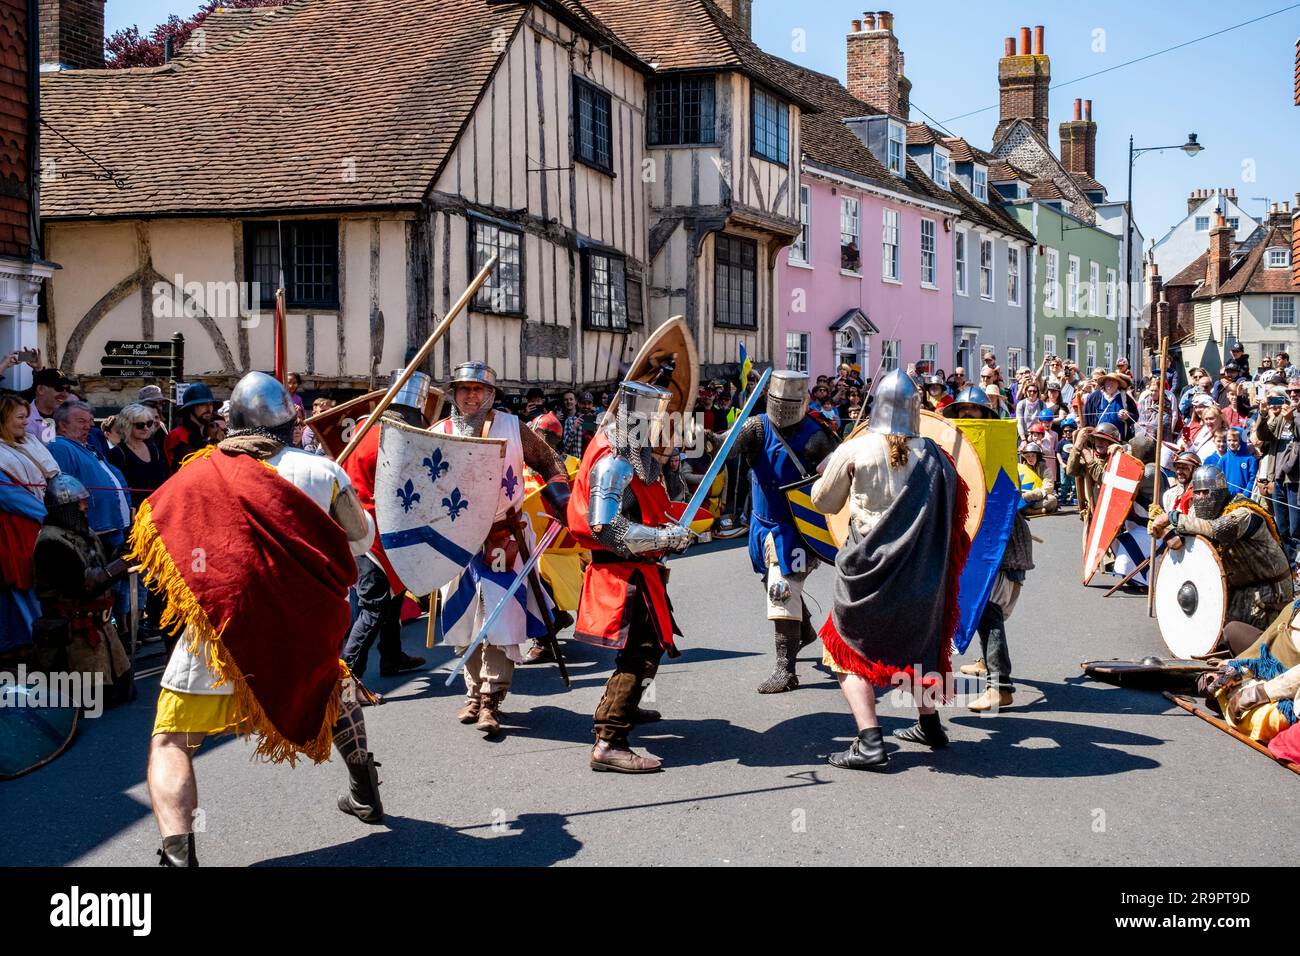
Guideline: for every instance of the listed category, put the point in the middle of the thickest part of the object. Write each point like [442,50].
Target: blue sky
[1234,90]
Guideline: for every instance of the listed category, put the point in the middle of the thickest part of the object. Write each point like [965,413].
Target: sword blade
[551,534]
[720,459]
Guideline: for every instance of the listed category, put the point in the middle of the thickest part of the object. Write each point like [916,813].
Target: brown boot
[991,699]
[978,669]
[469,713]
[489,714]
[619,758]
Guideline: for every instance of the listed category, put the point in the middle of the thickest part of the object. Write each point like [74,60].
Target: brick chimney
[1193,200]
[741,11]
[72,34]
[1079,140]
[904,90]
[1023,78]
[1279,216]
[875,66]
[1295,243]
[1220,259]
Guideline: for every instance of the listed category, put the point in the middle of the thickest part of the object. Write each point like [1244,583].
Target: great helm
[970,396]
[641,416]
[64,489]
[414,393]
[787,395]
[470,373]
[897,406]
[260,401]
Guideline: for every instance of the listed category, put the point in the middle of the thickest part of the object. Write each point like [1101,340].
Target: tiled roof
[220,26]
[1252,275]
[986,214]
[1046,189]
[1087,183]
[692,35]
[1193,273]
[919,134]
[1001,171]
[315,104]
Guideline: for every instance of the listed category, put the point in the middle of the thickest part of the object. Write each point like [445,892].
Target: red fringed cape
[258,574]
[896,589]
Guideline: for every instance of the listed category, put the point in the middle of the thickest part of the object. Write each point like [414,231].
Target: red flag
[281,360]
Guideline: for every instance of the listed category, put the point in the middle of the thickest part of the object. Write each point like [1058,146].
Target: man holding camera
[1276,433]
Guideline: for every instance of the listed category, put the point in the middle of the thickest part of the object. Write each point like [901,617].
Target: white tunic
[30,463]
[322,480]
[859,472]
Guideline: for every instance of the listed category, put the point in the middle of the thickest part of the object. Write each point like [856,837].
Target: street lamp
[1191,148]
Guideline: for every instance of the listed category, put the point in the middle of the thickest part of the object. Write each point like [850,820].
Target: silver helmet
[787,398]
[897,406]
[260,401]
[414,393]
[1031,448]
[64,489]
[639,427]
[468,373]
[1211,480]
[1107,431]
[970,397]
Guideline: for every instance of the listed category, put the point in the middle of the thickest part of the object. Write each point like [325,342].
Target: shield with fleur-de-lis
[436,497]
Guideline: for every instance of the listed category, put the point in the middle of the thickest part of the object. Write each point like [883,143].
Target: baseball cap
[53,378]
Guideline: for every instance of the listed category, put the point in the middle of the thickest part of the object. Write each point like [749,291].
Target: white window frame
[1110,294]
[1277,257]
[1072,349]
[1234,223]
[1015,359]
[986,243]
[1094,287]
[1092,355]
[890,234]
[1199,227]
[1287,302]
[796,344]
[799,252]
[1109,353]
[930,353]
[896,149]
[980,183]
[961,255]
[1049,345]
[1052,283]
[889,354]
[1072,285]
[1269,349]
[1013,274]
[930,257]
[851,217]
[941,166]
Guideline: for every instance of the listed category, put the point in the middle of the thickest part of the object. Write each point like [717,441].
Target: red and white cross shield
[1118,488]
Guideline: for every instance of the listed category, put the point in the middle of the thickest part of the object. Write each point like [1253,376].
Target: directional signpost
[150,360]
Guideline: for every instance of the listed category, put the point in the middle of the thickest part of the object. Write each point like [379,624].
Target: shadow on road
[534,839]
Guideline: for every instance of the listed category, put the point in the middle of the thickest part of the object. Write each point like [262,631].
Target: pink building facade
[869,281]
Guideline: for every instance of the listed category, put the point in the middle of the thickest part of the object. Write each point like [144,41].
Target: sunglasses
[144,425]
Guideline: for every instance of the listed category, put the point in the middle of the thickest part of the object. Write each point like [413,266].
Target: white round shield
[1191,598]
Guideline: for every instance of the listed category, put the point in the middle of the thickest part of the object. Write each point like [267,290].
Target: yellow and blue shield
[808,521]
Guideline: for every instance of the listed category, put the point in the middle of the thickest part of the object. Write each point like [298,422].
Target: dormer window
[980,179]
[941,168]
[1279,257]
[897,148]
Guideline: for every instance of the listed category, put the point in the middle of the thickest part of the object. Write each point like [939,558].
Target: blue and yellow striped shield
[810,523]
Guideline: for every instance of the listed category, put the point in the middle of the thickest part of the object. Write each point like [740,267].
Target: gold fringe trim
[182,608]
[1256,509]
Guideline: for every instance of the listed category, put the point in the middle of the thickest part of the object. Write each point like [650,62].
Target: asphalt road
[1076,773]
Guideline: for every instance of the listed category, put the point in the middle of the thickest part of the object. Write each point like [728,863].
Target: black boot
[867,752]
[178,851]
[926,731]
[787,650]
[362,799]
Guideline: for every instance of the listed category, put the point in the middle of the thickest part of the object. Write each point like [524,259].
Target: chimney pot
[1087,110]
[886,20]
[1009,46]
[869,21]
[1038,41]
[1024,39]
[1078,110]
[857,26]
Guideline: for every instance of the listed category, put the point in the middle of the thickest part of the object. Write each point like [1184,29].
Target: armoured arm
[1224,530]
[750,440]
[540,458]
[611,478]
[819,448]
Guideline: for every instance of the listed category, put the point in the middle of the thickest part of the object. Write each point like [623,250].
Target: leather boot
[991,699]
[928,730]
[787,649]
[489,712]
[620,758]
[978,669]
[807,633]
[469,713]
[362,799]
[644,715]
[178,851]
[867,752]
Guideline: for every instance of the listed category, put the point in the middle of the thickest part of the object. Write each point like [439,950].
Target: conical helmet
[897,406]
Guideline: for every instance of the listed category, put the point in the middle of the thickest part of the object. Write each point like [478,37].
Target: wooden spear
[419,358]
[1161,307]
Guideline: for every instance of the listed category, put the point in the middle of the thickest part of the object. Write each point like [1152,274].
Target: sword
[720,458]
[548,538]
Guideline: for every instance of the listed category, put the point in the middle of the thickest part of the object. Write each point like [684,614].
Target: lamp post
[1191,148]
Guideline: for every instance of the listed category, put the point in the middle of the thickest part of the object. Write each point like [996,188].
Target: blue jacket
[109,510]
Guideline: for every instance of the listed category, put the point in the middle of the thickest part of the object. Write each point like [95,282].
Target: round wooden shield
[1191,598]
[671,342]
[969,466]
